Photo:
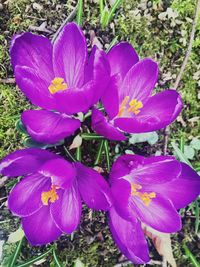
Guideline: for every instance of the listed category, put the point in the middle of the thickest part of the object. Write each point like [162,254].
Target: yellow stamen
[50,195]
[135,106]
[122,107]
[57,84]
[145,197]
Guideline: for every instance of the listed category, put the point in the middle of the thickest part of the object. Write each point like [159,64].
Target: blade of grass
[56,259]
[113,42]
[190,256]
[91,136]
[69,154]
[106,146]
[197,216]
[78,153]
[16,253]
[180,154]
[113,9]
[79,16]
[99,152]
[101,6]
[104,17]
[31,261]
[182,143]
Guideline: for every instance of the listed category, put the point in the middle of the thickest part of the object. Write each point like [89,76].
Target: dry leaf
[162,243]
[16,236]
[77,142]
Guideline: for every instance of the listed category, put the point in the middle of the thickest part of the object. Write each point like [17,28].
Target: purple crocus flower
[57,77]
[128,99]
[48,198]
[149,191]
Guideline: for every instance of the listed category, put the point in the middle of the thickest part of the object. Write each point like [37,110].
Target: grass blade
[91,136]
[101,5]
[99,152]
[114,41]
[69,154]
[78,153]
[190,256]
[106,146]
[16,254]
[180,154]
[56,259]
[113,9]
[31,261]
[79,17]
[197,216]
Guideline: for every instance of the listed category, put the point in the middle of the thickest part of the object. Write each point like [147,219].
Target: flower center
[49,196]
[57,84]
[145,197]
[134,106]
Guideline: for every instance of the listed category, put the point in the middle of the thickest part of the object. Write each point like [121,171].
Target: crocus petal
[110,98]
[69,55]
[182,190]
[62,172]
[76,100]
[121,58]
[123,166]
[156,170]
[93,188]
[32,51]
[129,237]
[40,228]
[121,190]
[159,111]
[25,197]
[24,161]
[101,125]
[160,214]
[48,127]
[66,211]
[140,80]
[34,86]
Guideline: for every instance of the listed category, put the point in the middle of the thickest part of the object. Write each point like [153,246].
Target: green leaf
[101,6]
[106,147]
[91,136]
[35,259]
[113,42]
[20,127]
[99,152]
[56,259]
[113,9]
[180,154]
[189,152]
[16,254]
[78,263]
[104,17]
[16,236]
[195,143]
[190,256]
[197,216]
[29,142]
[151,138]
[79,12]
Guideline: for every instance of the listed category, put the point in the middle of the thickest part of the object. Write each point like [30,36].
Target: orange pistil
[134,106]
[49,196]
[145,197]
[57,84]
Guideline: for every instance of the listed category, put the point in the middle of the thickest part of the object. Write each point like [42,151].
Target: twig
[185,61]
[69,18]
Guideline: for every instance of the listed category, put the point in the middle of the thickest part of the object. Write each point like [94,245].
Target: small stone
[1,7]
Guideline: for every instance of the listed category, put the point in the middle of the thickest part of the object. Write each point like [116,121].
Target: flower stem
[106,147]
[16,253]
[99,152]
[91,136]
[69,154]
[78,153]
